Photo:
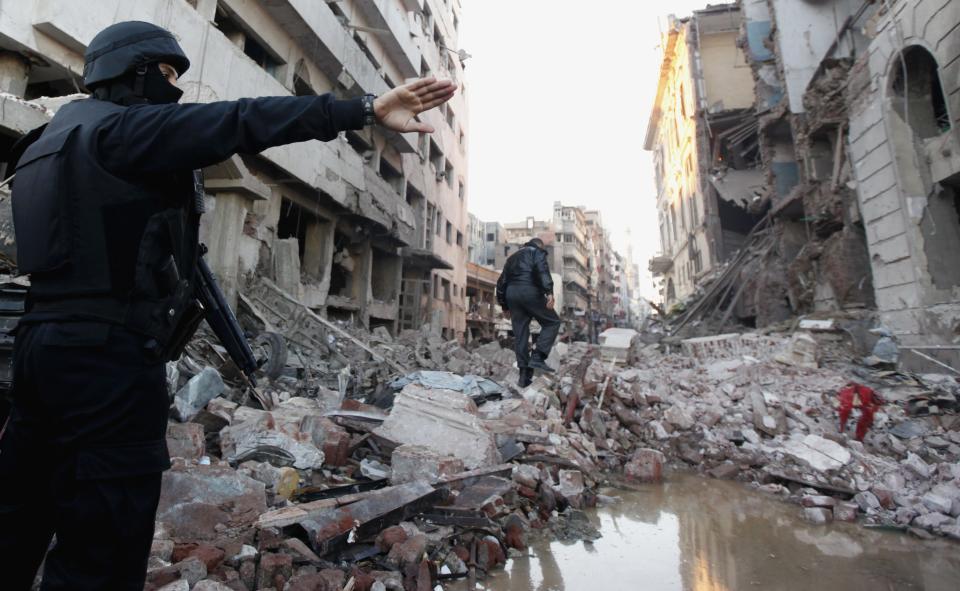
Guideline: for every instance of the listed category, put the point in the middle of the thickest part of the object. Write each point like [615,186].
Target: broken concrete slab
[195,501]
[801,351]
[819,453]
[679,417]
[385,506]
[483,492]
[937,503]
[444,421]
[416,462]
[196,393]
[617,344]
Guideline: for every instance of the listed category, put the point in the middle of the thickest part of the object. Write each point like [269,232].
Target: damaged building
[843,168]
[368,228]
[703,137]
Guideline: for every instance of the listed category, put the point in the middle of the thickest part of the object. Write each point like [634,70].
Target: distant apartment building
[570,227]
[341,225]
[482,309]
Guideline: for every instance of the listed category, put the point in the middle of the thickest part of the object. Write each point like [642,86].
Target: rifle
[223,321]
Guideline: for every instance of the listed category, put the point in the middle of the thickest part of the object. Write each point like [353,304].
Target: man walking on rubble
[525,292]
[106,206]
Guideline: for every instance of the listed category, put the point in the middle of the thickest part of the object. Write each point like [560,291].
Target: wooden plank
[292,515]
[314,493]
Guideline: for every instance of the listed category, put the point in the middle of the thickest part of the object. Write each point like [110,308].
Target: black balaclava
[144,85]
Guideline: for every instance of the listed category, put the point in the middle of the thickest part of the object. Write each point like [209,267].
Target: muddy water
[697,534]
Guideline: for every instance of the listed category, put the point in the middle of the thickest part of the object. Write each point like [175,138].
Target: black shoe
[537,362]
[526,377]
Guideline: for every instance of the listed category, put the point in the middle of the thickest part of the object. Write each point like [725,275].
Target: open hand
[398,108]
[551,303]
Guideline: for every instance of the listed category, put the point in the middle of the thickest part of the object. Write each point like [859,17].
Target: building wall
[440,176]
[727,81]
[672,135]
[324,220]
[906,182]
[809,29]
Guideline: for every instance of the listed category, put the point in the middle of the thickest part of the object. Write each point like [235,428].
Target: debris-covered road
[404,463]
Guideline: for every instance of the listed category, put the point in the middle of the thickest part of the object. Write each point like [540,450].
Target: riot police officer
[106,206]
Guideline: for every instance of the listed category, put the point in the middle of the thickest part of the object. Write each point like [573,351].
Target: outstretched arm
[164,138]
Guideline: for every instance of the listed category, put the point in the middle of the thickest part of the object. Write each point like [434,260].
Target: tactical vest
[105,243]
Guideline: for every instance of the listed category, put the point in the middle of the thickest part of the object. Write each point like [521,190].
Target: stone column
[206,8]
[14,73]
[362,275]
[224,230]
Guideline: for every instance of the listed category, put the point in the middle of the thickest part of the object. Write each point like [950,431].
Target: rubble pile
[387,480]
[424,463]
[762,410]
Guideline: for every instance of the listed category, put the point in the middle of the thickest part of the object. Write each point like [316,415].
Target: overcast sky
[560,92]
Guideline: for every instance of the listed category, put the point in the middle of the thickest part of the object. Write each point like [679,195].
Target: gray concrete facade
[327,221]
[907,167]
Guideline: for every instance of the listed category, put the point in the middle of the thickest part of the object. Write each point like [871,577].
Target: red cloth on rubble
[866,399]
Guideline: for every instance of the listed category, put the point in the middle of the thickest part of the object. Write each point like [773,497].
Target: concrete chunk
[821,454]
[444,421]
[933,520]
[938,503]
[817,515]
[338,521]
[196,393]
[416,462]
[845,512]
[571,483]
[916,466]
[195,500]
[185,440]
[646,465]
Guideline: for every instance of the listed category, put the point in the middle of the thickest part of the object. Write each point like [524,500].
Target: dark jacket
[107,194]
[527,266]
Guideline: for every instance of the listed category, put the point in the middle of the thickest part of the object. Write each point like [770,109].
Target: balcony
[573,251]
[384,14]
[660,264]
[331,47]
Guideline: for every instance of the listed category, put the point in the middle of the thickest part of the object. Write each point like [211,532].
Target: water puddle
[697,534]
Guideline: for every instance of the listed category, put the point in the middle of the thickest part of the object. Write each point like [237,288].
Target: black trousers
[81,458]
[526,302]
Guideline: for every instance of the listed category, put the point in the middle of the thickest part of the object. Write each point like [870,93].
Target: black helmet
[123,46]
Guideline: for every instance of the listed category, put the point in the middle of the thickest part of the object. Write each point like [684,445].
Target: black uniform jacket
[527,266]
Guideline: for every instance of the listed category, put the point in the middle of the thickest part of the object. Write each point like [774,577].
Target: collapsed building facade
[703,94]
[849,142]
[358,228]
